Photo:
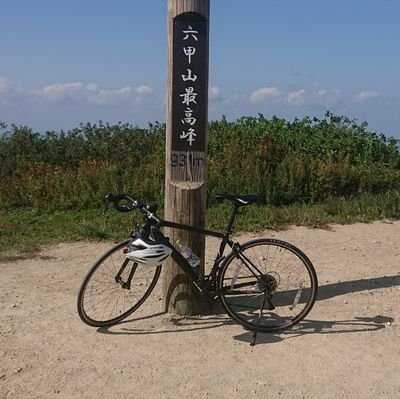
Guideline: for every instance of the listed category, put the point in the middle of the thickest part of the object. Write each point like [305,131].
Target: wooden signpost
[186,141]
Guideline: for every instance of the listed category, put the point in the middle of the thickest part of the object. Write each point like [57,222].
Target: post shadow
[348,287]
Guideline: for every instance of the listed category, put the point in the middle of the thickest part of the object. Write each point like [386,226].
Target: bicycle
[265,285]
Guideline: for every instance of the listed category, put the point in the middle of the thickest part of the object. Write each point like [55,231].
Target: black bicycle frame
[194,274]
[199,279]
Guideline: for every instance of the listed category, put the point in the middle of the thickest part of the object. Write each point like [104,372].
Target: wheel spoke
[270,286]
[103,301]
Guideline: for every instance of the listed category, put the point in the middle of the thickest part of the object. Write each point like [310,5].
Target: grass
[26,230]
[363,208]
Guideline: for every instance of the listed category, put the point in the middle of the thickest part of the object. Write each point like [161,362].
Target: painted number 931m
[188,159]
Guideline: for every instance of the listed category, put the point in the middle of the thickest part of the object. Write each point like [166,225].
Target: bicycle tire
[288,273]
[100,289]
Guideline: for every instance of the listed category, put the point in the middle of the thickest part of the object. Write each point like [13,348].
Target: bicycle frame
[199,279]
[205,284]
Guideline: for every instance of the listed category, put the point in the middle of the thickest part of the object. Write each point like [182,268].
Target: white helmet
[147,253]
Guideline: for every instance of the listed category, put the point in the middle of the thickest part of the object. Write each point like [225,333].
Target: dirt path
[349,346]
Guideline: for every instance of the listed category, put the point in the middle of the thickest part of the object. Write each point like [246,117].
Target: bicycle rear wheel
[269,285]
[114,288]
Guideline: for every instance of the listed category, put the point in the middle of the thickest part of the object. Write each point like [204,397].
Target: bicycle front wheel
[114,288]
[268,285]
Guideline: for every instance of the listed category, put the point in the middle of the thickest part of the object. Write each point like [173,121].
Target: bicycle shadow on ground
[357,325]
[216,317]
[329,291]
[170,324]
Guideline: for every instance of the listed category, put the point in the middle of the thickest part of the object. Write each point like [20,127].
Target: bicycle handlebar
[133,204]
[116,200]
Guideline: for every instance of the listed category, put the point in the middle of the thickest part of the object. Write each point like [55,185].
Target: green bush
[297,162]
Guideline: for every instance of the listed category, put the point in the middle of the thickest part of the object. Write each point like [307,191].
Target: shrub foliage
[284,162]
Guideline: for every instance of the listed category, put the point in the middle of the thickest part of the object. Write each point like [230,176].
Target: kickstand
[258,320]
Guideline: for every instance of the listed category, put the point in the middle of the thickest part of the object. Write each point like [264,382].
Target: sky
[66,62]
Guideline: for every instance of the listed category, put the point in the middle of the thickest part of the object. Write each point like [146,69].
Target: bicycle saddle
[238,200]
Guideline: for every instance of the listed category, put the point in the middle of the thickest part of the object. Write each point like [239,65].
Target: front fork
[118,279]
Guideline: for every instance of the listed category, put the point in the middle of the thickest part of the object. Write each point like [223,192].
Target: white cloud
[328,93]
[264,93]
[296,98]
[98,96]
[5,84]
[90,93]
[325,97]
[365,95]
[56,91]
[144,90]
[213,92]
